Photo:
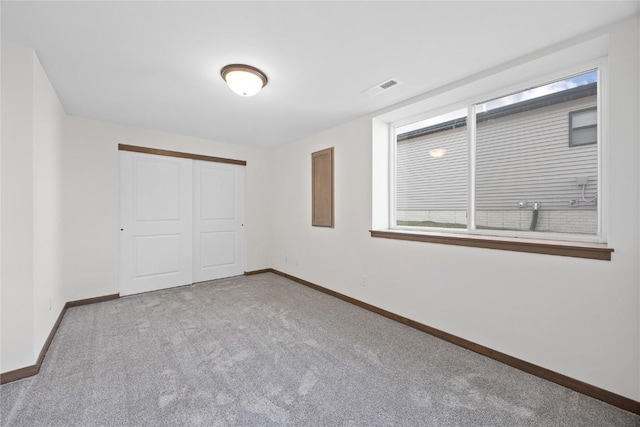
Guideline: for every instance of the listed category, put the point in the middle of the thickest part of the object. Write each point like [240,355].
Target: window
[583,128]
[522,164]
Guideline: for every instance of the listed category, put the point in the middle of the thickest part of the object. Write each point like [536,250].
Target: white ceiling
[156,64]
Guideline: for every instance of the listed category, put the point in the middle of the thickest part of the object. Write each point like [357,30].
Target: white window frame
[600,66]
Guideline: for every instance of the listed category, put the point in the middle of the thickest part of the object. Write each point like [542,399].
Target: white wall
[578,317]
[90,199]
[31,287]
[17,209]
[48,290]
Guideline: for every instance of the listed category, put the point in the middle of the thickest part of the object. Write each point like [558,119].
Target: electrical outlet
[363,280]
[49,303]
[582,180]
[286,260]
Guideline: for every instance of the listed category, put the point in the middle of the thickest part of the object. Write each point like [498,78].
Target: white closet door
[218,220]
[155,222]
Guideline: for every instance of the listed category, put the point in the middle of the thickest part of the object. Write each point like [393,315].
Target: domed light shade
[244,80]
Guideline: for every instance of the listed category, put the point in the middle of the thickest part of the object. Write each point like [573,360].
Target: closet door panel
[156,222]
[218,220]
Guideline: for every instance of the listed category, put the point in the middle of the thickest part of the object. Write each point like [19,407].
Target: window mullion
[392,176]
[471,190]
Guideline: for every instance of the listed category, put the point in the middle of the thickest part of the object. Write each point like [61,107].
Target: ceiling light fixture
[244,80]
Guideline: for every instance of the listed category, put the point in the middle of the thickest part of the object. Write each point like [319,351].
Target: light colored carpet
[262,350]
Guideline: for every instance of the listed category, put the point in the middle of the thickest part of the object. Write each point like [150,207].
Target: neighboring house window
[583,127]
[504,166]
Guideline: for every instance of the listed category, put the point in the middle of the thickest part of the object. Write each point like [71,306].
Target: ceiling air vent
[381,87]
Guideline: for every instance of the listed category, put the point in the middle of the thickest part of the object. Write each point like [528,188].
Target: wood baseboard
[52,334]
[18,374]
[264,270]
[28,371]
[94,300]
[544,373]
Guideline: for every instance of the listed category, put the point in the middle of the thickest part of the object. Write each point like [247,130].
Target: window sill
[549,247]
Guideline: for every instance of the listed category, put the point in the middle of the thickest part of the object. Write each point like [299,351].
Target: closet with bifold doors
[181,219]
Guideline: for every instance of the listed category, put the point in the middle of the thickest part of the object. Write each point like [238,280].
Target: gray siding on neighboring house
[427,183]
[527,157]
[520,157]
